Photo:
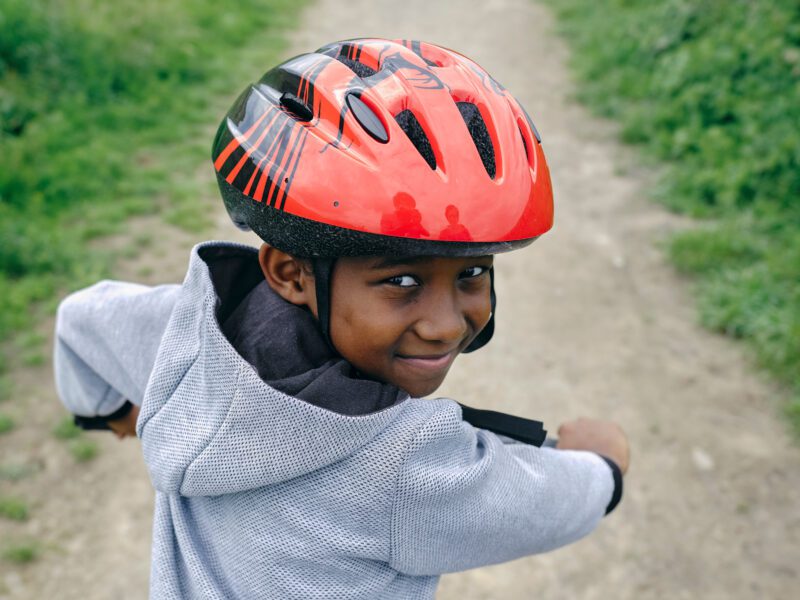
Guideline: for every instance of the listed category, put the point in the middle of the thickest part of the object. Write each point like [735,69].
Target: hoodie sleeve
[107,336]
[464,499]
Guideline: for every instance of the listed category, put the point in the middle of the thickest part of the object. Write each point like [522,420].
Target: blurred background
[667,297]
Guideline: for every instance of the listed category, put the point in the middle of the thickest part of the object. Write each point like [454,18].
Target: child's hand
[602,437]
[126,425]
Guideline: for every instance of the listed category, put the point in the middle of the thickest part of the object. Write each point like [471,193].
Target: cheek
[478,308]
[362,332]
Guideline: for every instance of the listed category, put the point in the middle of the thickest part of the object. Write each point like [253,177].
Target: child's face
[404,321]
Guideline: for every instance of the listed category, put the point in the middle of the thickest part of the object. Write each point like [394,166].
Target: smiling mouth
[430,362]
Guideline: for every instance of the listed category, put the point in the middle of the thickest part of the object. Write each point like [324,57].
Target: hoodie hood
[209,424]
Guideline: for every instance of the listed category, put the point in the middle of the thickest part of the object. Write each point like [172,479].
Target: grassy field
[712,90]
[106,111]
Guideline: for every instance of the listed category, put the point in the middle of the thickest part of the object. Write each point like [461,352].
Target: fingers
[602,437]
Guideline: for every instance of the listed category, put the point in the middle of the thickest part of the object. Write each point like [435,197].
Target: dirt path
[591,321]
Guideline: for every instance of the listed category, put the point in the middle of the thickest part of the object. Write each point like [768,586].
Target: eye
[404,281]
[473,272]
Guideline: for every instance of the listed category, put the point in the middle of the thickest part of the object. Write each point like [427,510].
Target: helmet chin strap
[323,273]
[487,332]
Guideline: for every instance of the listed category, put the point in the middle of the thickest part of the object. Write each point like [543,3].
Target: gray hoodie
[260,494]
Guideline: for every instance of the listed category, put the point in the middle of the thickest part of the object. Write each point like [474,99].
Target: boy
[282,417]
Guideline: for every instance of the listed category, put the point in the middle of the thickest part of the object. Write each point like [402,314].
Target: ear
[288,277]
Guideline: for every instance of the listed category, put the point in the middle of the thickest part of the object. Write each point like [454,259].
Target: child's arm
[107,337]
[464,499]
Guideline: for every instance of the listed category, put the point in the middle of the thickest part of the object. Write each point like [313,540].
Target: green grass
[66,429]
[30,340]
[5,384]
[712,90]
[106,111]
[13,509]
[83,450]
[16,472]
[33,359]
[22,552]
[6,423]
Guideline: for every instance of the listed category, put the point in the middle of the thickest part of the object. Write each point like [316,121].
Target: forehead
[380,263]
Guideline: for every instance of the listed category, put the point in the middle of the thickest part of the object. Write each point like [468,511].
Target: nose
[442,319]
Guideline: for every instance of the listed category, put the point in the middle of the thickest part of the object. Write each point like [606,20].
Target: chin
[420,390]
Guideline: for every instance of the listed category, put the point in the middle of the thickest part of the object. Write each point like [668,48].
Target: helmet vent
[298,109]
[532,126]
[480,135]
[366,117]
[356,67]
[408,123]
[524,143]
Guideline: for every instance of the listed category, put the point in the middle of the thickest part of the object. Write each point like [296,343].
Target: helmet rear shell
[311,176]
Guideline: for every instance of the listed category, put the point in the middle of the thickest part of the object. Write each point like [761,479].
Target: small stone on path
[702,459]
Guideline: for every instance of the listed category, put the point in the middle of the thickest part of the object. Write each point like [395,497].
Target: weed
[83,450]
[30,340]
[5,387]
[6,423]
[13,508]
[143,240]
[793,412]
[66,429]
[130,251]
[33,359]
[15,472]
[22,553]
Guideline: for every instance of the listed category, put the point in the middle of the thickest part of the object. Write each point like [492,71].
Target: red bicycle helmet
[380,147]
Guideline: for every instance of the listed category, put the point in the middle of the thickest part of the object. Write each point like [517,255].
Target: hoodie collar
[210,424]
